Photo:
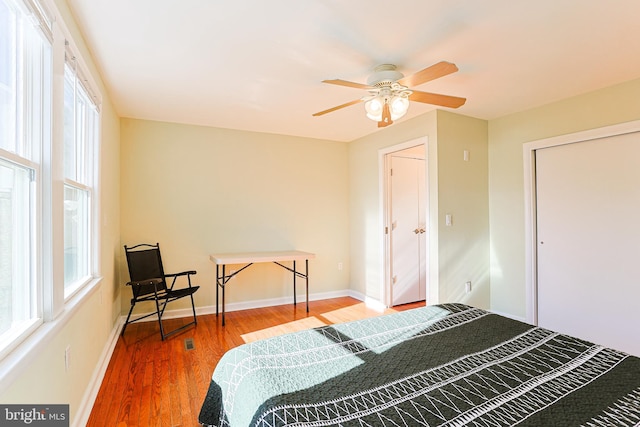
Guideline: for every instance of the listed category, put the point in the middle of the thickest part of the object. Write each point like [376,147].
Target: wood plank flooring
[150,382]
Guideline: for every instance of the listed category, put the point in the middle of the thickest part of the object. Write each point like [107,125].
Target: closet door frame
[529,159]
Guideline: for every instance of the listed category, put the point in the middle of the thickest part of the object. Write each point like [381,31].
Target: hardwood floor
[150,382]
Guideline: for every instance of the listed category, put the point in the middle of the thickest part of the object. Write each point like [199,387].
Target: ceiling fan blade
[430,73]
[347,84]
[437,99]
[338,107]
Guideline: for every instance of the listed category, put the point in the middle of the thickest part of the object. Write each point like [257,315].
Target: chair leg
[127,321]
[160,317]
[193,304]
[193,307]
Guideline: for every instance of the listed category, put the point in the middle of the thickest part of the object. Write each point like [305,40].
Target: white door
[588,243]
[408,229]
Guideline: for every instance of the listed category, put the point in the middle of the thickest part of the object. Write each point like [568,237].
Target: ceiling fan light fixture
[396,100]
[373,107]
[399,105]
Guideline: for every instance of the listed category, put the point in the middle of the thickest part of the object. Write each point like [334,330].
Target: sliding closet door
[588,243]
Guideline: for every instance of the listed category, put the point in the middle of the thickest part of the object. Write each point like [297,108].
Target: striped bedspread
[441,365]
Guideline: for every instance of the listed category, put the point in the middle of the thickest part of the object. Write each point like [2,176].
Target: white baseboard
[372,303]
[91,393]
[246,305]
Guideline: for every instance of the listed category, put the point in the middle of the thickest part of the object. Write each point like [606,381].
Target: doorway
[406,224]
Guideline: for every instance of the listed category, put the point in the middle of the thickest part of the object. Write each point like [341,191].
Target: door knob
[422,230]
[417,231]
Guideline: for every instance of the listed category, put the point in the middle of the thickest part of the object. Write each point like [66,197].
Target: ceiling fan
[389,92]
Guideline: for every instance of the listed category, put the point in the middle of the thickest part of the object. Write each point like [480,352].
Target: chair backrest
[144,262]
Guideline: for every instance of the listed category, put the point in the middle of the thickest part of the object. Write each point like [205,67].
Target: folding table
[249,258]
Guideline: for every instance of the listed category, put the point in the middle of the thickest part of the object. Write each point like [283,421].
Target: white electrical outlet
[467,287]
[340,266]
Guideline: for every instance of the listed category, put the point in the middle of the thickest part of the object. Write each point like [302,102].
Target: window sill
[12,338]
[23,354]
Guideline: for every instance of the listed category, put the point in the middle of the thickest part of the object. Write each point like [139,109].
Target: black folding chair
[149,283]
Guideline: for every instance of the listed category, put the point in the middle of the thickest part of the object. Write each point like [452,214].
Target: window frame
[32,51]
[86,142]
[52,306]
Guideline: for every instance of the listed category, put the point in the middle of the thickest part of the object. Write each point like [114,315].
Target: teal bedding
[447,364]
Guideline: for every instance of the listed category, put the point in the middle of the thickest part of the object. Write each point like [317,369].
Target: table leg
[307,279]
[217,286]
[295,273]
[224,274]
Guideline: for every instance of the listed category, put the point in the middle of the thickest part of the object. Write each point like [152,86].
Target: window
[49,136]
[80,137]
[25,109]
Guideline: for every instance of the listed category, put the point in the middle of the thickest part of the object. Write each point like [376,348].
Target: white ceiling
[258,65]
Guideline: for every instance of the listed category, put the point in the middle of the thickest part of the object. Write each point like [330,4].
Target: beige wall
[463,191]
[458,253]
[200,190]
[616,104]
[39,375]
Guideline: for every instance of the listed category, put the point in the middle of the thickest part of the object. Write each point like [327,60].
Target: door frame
[531,230]
[384,163]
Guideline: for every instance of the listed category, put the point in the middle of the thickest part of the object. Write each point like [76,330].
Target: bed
[447,364]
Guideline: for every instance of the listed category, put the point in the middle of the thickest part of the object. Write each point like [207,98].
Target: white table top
[251,257]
